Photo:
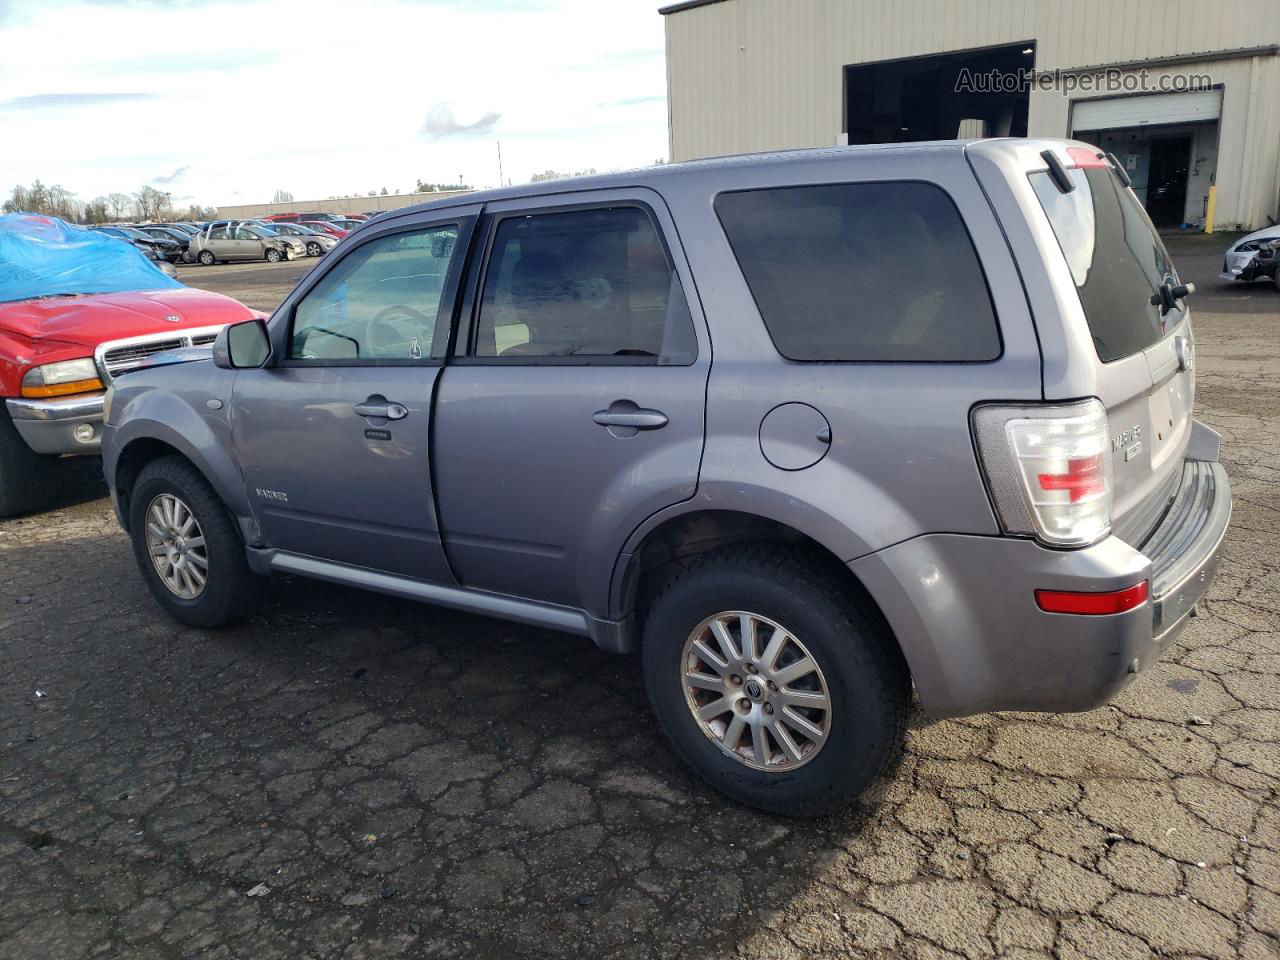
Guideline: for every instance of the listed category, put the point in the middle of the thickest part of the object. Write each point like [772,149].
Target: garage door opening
[1167,143]
[916,98]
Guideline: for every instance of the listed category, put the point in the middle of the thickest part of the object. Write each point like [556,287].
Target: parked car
[317,243]
[77,309]
[300,217]
[228,240]
[165,248]
[347,223]
[1264,264]
[1243,250]
[984,478]
[162,231]
[327,227]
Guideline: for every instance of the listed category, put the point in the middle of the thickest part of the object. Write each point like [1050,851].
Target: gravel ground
[352,776]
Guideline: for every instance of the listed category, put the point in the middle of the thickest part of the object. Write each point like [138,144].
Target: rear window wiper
[1168,294]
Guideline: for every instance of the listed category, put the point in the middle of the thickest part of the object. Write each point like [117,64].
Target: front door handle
[640,419]
[379,407]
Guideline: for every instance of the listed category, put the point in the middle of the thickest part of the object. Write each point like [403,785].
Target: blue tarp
[42,256]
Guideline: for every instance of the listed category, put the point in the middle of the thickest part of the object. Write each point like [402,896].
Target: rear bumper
[963,607]
[49,426]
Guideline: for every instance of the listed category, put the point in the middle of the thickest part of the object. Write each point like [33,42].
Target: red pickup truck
[76,310]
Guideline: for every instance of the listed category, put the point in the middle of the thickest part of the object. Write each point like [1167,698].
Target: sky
[227,101]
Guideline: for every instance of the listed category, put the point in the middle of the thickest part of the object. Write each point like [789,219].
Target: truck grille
[117,356]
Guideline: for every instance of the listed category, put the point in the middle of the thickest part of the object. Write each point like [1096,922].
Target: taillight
[1048,469]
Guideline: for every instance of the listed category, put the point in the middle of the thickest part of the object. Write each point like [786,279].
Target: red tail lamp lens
[1093,604]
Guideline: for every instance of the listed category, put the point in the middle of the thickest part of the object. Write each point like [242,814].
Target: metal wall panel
[752,75]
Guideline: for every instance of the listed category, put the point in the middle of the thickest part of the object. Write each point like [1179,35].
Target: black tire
[24,474]
[232,591]
[866,677]
[273,255]
[313,249]
[207,258]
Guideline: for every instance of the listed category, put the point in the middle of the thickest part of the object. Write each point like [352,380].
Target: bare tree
[120,204]
[152,203]
[282,196]
[53,201]
[97,210]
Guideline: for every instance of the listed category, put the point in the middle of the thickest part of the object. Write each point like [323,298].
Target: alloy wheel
[177,547]
[756,691]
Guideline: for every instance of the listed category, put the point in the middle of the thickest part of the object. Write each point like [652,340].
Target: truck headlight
[62,379]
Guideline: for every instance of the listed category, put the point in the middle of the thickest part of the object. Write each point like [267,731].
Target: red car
[324,226]
[67,328]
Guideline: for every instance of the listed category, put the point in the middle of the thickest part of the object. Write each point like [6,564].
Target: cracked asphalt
[351,776]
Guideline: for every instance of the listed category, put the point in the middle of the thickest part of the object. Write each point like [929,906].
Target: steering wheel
[393,331]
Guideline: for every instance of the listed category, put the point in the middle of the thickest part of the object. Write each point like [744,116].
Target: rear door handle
[640,419]
[385,409]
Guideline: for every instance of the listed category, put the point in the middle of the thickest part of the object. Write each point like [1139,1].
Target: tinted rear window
[1117,259]
[863,272]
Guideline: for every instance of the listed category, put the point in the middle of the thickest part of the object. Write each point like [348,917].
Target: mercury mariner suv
[715,412]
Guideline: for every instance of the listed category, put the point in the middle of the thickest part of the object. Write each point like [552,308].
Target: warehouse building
[1185,93]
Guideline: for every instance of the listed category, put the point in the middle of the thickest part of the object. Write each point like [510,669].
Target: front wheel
[313,249]
[187,547]
[273,256]
[773,681]
[24,474]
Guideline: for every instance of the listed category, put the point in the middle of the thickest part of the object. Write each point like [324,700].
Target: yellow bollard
[1209,207]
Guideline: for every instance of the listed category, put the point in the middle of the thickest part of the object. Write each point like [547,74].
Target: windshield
[1116,257]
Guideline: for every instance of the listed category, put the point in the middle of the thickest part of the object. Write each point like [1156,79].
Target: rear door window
[863,272]
[1116,257]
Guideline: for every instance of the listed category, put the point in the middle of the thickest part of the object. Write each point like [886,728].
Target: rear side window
[583,283]
[863,272]
[1116,258]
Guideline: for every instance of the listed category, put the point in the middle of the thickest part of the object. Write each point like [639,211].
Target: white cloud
[327,97]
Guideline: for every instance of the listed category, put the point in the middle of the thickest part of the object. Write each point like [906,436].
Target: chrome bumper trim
[60,408]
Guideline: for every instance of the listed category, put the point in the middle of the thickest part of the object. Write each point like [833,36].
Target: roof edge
[685,5]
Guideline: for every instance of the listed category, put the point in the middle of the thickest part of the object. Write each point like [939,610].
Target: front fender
[182,415]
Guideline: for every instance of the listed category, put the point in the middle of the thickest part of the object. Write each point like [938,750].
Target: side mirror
[240,346]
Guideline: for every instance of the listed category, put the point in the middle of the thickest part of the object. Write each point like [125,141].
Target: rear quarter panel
[901,461]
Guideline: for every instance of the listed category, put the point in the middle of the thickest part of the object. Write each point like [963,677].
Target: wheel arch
[674,537]
[146,445]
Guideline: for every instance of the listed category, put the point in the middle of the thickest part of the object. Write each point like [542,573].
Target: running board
[550,616]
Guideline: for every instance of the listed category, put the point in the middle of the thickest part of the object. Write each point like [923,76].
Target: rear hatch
[1141,335]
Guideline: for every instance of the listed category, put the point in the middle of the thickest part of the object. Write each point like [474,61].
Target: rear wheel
[207,258]
[273,255]
[188,548]
[772,681]
[24,474]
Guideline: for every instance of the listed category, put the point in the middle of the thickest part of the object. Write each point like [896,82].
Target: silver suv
[718,413]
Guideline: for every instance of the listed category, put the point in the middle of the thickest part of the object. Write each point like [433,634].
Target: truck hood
[90,319]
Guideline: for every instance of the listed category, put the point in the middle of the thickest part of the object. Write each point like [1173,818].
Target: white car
[1243,250]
